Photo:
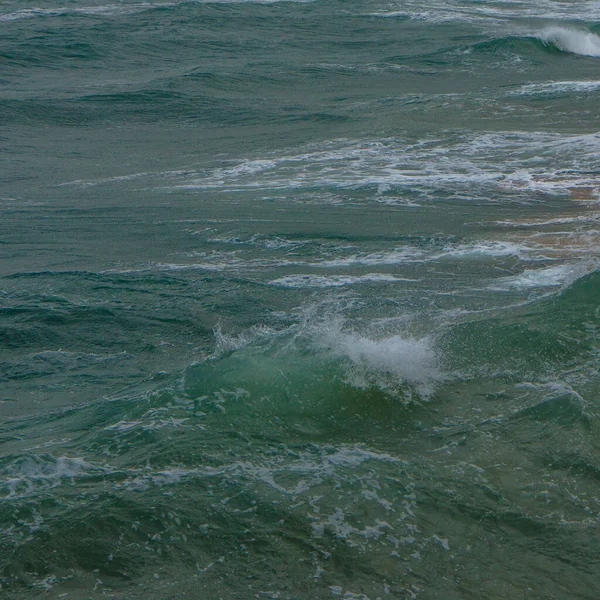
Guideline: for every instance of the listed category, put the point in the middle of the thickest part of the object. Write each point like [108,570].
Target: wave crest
[384,362]
[576,41]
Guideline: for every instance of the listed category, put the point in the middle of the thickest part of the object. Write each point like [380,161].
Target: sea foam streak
[473,165]
[477,162]
[558,275]
[558,87]
[487,12]
[320,281]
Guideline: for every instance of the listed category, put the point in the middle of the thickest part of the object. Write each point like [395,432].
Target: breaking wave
[576,41]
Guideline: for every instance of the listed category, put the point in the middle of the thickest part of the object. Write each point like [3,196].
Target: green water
[299,300]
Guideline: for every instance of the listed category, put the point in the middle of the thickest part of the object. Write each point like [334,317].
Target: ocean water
[300,299]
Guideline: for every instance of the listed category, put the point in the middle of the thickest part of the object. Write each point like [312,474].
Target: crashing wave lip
[322,281]
[576,41]
[401,365]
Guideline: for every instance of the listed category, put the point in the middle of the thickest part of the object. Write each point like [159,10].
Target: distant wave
[119,9]
[577,41]
[445,11]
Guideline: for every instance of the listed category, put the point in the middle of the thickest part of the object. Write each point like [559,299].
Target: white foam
[549,277]
[62,359]
[577,41]
[489,11]
[590,218]
[469,165]
[109,9]
[271,243]
[387,362]
[149,425]
[225,262]
[392,257]
[352,456]
[312,466]
[118,9]
[411,254]
[229,343]
[398,364]
[222,261]
[322,281]
[488,248]
[27,474]
[557,87]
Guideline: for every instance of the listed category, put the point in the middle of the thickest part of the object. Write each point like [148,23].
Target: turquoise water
[300,299]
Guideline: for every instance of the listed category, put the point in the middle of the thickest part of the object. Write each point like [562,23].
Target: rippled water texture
[299,300]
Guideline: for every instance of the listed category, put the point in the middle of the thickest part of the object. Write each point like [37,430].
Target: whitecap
[577,41]
[384,362]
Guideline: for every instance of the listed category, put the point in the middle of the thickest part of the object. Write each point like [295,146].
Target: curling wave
[576,41]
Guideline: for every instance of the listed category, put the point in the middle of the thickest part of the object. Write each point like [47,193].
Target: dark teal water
[299,300]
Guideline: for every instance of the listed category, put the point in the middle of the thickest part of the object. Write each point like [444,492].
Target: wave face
[299,299]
